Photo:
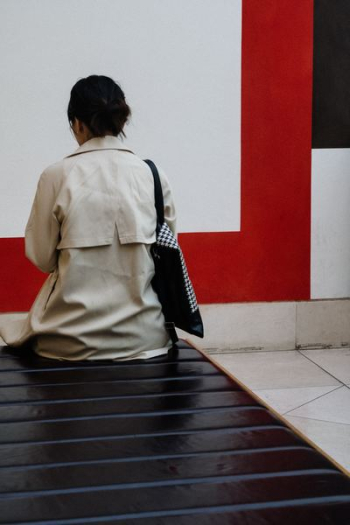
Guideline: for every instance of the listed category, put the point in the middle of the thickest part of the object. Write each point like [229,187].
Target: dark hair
[100,103]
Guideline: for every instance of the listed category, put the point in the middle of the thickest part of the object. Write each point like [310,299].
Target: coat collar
[96,143]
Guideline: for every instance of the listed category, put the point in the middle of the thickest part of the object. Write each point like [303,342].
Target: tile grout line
[323,369]
[312,400]
[294,387]
[321,420]
[275,413]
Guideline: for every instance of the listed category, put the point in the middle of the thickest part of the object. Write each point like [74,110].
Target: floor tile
[336,361]
[280,369]
[333,407]
[333,438]
[286,399]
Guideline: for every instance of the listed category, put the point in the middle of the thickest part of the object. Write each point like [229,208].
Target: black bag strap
[158,194]
[159,204]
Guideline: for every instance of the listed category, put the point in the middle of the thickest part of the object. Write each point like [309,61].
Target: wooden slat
[112,472]
[103,426]
[172,445]
[123,405]
[163,386]
[141,498]
[334,511]
[105,374]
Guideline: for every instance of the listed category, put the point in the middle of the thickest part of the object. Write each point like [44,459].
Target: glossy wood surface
[164,441]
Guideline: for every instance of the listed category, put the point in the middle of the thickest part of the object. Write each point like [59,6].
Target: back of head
[100,103]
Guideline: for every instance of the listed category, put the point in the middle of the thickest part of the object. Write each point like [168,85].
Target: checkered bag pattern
[167,239]
[171,281]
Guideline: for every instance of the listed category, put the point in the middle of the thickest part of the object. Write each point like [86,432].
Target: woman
[91,227]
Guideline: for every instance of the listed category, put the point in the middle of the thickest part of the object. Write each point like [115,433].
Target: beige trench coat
[91,227]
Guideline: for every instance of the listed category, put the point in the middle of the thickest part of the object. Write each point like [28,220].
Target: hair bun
[100,103]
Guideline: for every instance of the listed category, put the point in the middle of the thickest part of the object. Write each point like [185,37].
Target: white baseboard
[246,327]
[275,326]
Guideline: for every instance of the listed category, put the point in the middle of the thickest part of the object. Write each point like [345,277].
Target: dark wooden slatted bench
[168,441]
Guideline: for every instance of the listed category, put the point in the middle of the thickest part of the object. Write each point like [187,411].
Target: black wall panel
[331,74]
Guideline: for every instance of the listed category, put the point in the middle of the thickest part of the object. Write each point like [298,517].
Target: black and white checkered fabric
[166,238]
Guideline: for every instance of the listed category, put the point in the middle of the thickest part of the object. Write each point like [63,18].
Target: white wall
[179,64]
[330,224]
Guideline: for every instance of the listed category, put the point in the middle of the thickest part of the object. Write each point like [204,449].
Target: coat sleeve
[43,229]
[169,206]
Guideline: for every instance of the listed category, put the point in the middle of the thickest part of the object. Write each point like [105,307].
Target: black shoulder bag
[171,281]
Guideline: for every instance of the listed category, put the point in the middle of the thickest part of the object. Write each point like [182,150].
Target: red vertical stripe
[269,259]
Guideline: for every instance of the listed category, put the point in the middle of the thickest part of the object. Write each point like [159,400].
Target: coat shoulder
[53,173]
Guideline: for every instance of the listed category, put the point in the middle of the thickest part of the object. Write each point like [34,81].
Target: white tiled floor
[310,388]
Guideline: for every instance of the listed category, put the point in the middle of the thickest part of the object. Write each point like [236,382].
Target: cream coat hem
[146,354]
[91,226]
